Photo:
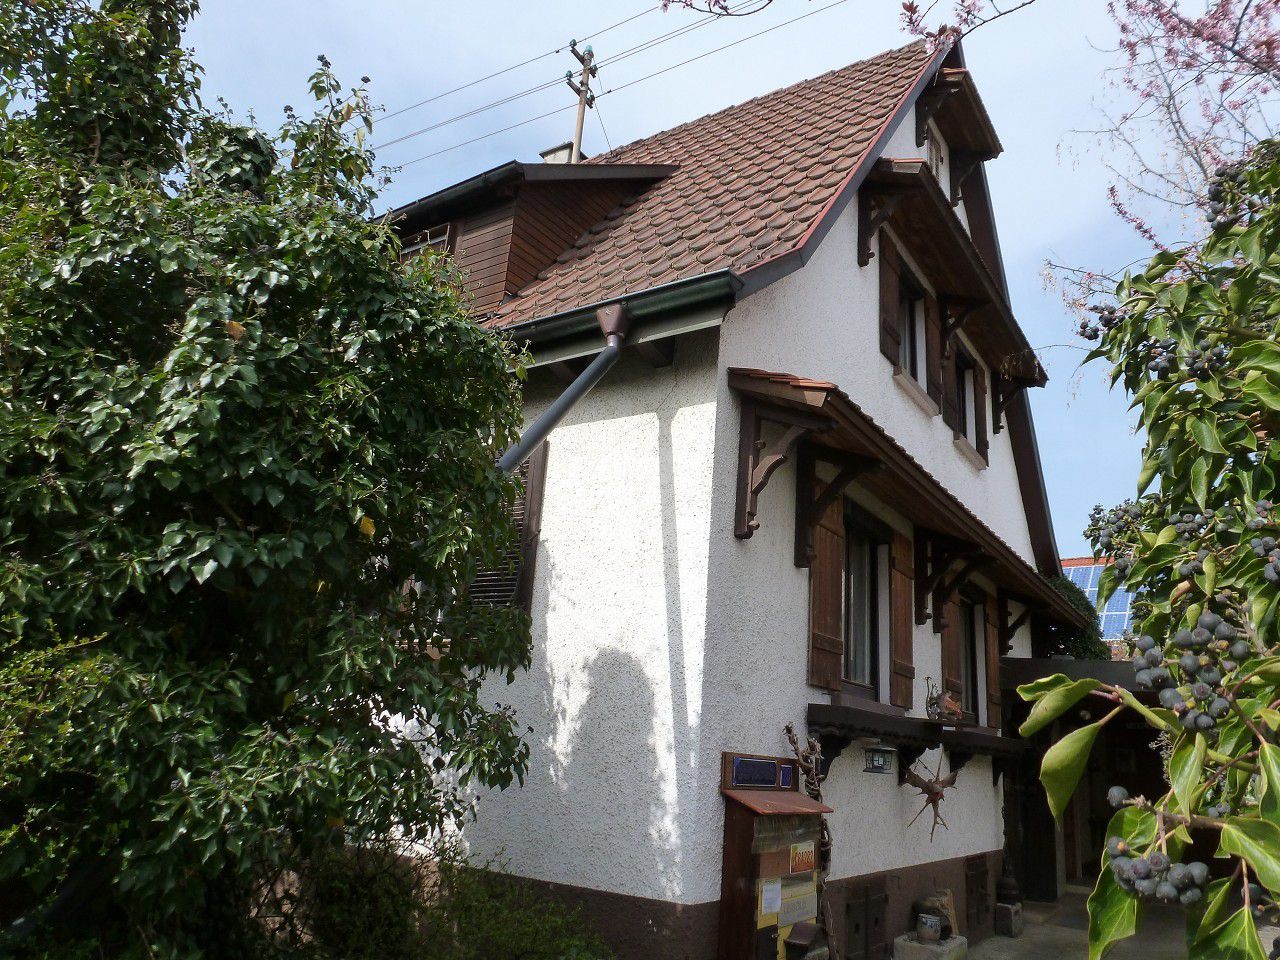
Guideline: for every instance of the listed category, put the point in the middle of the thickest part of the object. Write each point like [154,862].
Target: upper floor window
[968,639]
[911,320]
[438,238]
[866,562]
[936,157]
[964,407]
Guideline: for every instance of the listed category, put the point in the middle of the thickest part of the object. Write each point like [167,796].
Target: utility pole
[583,89]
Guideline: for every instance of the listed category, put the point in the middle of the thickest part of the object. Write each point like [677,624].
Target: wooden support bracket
[1011,627]
[759,459]
[963,165]
[934,559]
[811,507]
[1006,390]
[875,206]
[956,312]
[928,105]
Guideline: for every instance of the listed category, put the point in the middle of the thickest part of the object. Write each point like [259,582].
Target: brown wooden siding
[549,218]
[482,252]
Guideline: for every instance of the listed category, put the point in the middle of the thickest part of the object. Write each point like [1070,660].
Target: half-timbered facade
[809,494]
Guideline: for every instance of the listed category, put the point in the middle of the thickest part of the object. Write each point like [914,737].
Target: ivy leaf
[1258,843]
[1053,703]
[1269,802]
[1236,939]
[1206,435]
[1200,481]
[1186,768]
[1258,355]
[1063,765]
[1113,915]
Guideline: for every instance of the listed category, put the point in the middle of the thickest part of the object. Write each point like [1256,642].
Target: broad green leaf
[1064,763]
[1235,939]
[1186,768]
[1113,915]
[1155,718]
[1054,703]
[1219,899]
[1200,480]
[1269,762]
[1258,843]
[1258,355]
[1205,435]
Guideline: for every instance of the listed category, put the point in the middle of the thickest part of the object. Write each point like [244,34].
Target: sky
[1042,72]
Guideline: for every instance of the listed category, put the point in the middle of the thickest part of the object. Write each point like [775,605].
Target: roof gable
[752,185]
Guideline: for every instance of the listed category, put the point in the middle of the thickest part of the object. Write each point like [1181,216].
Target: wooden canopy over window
[818,412]
[904,195]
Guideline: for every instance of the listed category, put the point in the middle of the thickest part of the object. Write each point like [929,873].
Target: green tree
[1194,339]
[246,473]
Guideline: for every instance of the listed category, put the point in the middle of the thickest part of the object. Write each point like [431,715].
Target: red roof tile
[752,183]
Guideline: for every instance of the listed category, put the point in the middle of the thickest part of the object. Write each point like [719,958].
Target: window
[964,394]
[865,594]
[911,320]
[965,400]
[439,239]
[935,153]
[969,632]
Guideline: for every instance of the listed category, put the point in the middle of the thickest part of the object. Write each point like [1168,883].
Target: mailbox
[772,839]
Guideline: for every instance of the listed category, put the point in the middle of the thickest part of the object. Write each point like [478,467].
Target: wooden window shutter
[890,310]
[902,671]
[826,599]
[511,584]
[933,349]
[951,392]
[980,410]
[952,655]
[855,922]
[991,617]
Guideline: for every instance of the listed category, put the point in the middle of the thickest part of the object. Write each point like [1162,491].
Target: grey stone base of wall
[637,928]
[905,885]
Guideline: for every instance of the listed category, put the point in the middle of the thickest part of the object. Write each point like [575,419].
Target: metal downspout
[614,321]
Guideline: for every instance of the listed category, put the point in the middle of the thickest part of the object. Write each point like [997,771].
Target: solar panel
[1115,617]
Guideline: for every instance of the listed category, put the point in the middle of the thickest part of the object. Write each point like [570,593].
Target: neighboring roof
[919,495]
[1084,561]
[752,185]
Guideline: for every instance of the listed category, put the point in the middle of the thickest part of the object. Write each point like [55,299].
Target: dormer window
[438,239]
[935,158]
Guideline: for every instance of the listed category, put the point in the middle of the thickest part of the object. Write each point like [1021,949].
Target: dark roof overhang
[922,218]
[503,179]
[902,482]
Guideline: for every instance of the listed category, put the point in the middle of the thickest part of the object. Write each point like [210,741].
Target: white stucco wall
[616,796]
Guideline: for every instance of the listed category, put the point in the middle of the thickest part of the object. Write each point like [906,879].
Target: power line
[682,63]
[600,118]
[630,83]
[530,91]
[517,66]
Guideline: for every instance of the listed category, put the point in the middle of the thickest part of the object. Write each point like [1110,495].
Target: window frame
[912,309]
[876,536]
[967,399]
[972,653]
[438,237]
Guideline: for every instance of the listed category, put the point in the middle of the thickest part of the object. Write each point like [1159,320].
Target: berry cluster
[1224,195]
[1188,525]
[1149,666]
[1206,358]
[1108,527]
[1264,508]
[1192,567]
[1156,875]
[1164,357]
[1210,651]
[1108,318]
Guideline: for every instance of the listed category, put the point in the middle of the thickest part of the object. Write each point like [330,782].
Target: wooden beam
[956,312]
[810,508]
[964,163]
[758,459]
[875,206]
[568,370]
[929,103]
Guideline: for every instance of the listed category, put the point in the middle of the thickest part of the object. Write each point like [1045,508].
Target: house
[1116,614]
[807,494]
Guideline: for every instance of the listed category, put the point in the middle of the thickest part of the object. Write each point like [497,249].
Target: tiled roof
[752,182]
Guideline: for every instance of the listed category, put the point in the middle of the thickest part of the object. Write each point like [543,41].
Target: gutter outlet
[614,320]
